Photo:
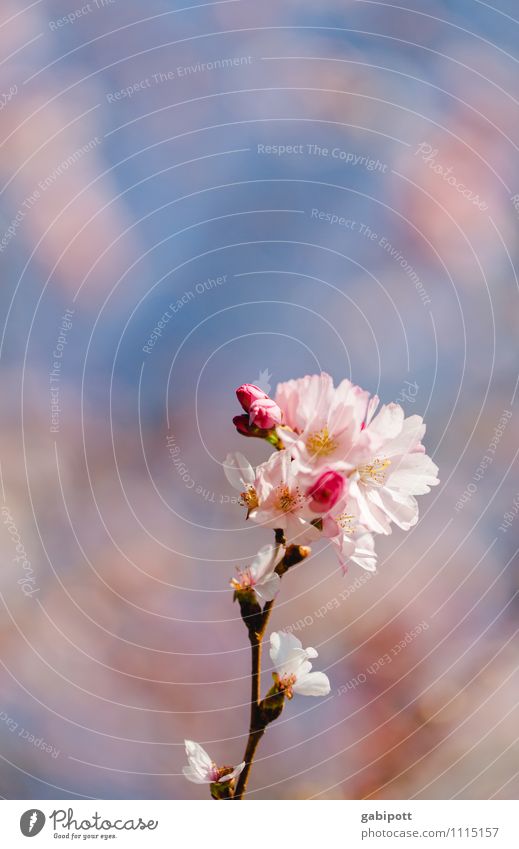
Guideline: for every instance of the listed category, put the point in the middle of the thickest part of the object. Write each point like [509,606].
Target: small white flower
[202,770]
[260,576]
[242,477]
[293,667]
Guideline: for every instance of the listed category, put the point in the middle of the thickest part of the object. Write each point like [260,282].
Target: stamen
[287,499]
[249,499]
[375,472]
[320,443]
[285,684]
[347,523]
[243,580]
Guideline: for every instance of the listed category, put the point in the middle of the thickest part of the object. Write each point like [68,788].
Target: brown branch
[256,621]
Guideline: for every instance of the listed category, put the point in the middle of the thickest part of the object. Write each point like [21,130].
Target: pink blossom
[323,424]
[383,487]
[280,501]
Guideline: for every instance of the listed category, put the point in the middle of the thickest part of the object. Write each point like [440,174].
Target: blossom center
[218,773]
[285,684]
[375,472]
[347,523]
[320,443]
[287,499]
[243,580]
[250,498]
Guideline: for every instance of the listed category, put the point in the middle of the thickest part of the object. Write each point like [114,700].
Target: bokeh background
[140,179]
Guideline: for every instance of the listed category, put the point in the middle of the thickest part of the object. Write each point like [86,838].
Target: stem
[294,554]
[257,724]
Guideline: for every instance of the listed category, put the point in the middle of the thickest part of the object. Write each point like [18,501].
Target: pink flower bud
[247,393]
[326,491]
[265,413]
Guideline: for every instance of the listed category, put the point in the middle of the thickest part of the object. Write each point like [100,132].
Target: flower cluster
[343,470]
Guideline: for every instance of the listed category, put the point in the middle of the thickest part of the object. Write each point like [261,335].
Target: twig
[256,621]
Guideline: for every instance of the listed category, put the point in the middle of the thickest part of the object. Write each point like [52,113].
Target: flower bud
[265,413]
[242,425]
[326,491]
[247,393]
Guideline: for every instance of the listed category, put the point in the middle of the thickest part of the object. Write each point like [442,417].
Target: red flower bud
[242,425]
[247,393]
[326,491]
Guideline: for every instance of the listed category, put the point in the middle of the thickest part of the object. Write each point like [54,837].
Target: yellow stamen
[320,443]
[287,499]
[249,498]
[375,472]
[346,522]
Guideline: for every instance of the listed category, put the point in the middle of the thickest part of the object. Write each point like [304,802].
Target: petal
[288,655]
[266,561]
[313,684]
[414,474]
[193,776]
[283,646]
[408,439]
[197,754]
[388,423]
[268,589]
[238,471]
[400,508]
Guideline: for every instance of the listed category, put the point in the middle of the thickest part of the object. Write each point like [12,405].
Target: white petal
[197,754]
[194,777]
[238,471]
[312,684]
[266,561]
[388,422]
[268,589]
[400,508]
[288,655]
[414,474]
[283,647]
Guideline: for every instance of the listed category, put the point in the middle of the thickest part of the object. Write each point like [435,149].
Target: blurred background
[194,196]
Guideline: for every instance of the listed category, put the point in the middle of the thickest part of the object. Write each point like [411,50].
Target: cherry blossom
[202,770]
[293,668]
[260,577]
